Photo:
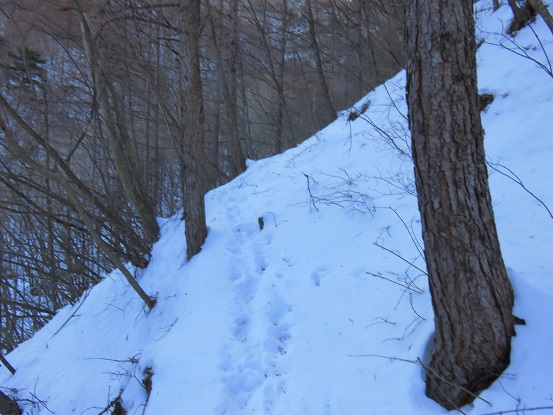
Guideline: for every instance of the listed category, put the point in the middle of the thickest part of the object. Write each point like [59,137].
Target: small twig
[516,411]
[7,364]
[400,257]
[39,401]
[382,320]
[398,184]
[132,360]
[518,400]
[417,290]
[520,51]
[409,231]
[73,313]
[518,181]
[385,135]
[274,219]
[384,357]
[542,49]
[413,307]
[393,102]
[309,190]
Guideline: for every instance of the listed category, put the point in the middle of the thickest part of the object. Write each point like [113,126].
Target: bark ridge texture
[471,294]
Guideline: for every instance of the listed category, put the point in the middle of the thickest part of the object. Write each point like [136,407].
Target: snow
[326,309]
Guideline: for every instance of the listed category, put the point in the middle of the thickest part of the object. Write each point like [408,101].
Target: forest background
[93,121]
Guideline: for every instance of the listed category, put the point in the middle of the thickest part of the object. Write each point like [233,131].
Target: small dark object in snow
[353,115]
[484,100]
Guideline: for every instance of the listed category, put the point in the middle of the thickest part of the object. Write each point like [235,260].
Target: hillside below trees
[310,294]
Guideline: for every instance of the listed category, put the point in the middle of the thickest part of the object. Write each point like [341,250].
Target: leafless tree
[191,117]
[115,112]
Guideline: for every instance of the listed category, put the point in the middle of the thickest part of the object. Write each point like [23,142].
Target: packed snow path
[326,309]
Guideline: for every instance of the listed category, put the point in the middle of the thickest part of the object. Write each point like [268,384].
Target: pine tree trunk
[471,293]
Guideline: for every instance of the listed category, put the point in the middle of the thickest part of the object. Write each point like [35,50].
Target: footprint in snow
[316,275]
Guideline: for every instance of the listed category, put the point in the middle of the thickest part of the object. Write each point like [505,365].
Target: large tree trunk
[471,293]
[195,177]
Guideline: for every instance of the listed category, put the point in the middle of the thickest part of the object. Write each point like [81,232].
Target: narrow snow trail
[249,360]
[326,309]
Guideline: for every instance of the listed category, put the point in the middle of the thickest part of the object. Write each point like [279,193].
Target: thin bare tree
[191,118]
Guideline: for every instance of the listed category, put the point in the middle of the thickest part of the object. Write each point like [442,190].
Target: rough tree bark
[195,174]
[471,294]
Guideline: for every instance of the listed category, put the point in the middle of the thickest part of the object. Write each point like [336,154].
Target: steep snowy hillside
[309,296]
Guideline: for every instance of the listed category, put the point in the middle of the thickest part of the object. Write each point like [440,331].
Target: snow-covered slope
[326,309]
